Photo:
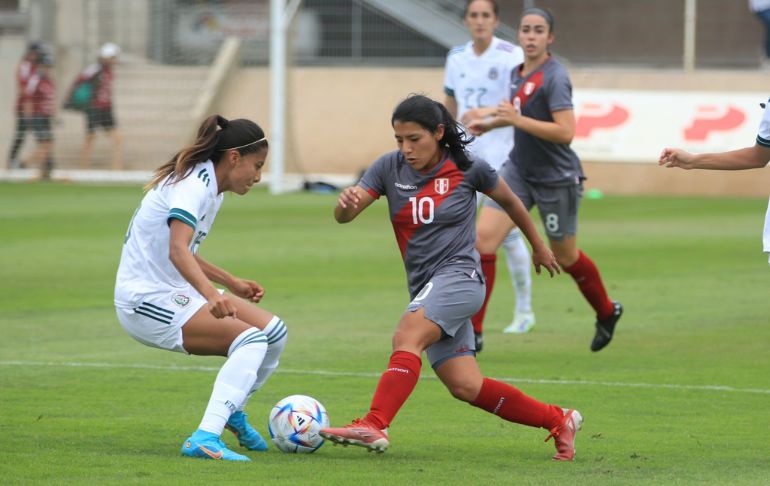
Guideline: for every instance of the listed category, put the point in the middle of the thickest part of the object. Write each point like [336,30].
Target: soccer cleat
[606,327]
[522,322]
[478,339]
[564,435]
[206,445]
[360,433]
[245,433]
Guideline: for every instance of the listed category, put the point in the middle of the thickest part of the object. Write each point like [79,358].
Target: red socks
[488,265]
[395,386]
[510,404]
[587,277]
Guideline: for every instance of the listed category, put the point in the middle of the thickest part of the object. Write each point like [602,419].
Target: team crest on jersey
[529,88]
[492,73]
[181,300]
[441,185]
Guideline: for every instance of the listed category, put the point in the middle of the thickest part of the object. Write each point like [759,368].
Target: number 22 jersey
[433,212]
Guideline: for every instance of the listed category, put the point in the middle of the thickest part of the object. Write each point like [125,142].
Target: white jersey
[145,266]
[480,81]
[763,139]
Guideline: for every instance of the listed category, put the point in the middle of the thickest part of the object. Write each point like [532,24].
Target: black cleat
[479,339]
[605,328]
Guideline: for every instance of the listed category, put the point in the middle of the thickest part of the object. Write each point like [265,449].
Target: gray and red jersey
[433,213]
[545,90]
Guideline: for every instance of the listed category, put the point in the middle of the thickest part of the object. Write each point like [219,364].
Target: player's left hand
[479,126]
[543,256]
[247,289]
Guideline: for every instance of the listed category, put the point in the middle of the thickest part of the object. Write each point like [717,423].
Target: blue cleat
[247,436]
[208,446]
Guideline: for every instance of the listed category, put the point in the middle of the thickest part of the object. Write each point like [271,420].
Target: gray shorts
[557,205]
[450,299]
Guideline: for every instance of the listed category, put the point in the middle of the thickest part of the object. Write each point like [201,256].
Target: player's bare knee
[464,391]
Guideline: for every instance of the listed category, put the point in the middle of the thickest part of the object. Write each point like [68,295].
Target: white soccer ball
[295,423]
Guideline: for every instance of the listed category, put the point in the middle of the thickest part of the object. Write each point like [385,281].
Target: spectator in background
[24,72]
[40,100]
[762,10]
[98,110]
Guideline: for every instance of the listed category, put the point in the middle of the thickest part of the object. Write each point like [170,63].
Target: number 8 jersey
[433,213]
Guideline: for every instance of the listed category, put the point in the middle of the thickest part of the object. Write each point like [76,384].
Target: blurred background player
[753,157]
[761,9]
[164,296]
[477,75]
[431,185]
[24,71]
[99,112]
[543,170]
[40,97]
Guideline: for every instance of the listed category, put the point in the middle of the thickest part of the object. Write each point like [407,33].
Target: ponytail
[216,136]
[429,114]
[455,139]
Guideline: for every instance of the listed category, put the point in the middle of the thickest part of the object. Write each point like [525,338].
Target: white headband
[241,146]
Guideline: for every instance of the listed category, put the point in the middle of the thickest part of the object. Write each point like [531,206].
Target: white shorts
[158,317]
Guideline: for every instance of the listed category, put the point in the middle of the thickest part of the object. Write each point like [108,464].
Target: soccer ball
[295,422]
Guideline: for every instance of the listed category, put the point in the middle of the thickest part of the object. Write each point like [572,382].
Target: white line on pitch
[364,374]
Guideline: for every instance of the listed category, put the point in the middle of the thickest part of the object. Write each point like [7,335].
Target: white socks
[277,334]
[520,269]
[235,379]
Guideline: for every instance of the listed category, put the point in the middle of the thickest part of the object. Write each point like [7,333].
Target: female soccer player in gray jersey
[430,184]
[164,294]
[542,168]
[477,75]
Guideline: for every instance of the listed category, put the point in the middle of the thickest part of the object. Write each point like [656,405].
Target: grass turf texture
[689,271]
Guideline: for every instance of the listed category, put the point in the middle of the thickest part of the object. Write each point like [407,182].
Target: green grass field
[681,396]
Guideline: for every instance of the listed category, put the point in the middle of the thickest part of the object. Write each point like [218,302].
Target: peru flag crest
[441,185]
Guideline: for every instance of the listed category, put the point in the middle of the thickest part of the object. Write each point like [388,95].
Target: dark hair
[429,114]
[548,16]
[216,136]
[495,7]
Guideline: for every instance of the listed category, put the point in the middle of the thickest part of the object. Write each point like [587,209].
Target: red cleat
[564,435]
[360,433]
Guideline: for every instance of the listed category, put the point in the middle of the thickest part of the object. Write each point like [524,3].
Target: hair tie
[222,122]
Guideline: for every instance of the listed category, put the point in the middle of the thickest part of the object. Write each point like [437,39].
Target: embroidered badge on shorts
[181,300]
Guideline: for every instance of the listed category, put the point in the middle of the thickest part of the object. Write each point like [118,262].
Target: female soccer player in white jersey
[542,169]
[477,75]
[753,157]
[164,294]
[430,184]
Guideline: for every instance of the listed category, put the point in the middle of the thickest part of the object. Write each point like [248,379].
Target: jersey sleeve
[186,198]
[482,176]
[449,75]
[373,180]
[763,137]
[560,91]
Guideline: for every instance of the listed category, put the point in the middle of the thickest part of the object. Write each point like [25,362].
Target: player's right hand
[221,306]
[673,157]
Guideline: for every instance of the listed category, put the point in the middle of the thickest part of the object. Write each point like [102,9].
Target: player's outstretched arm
[541,254]
[351,202]
[746,158]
